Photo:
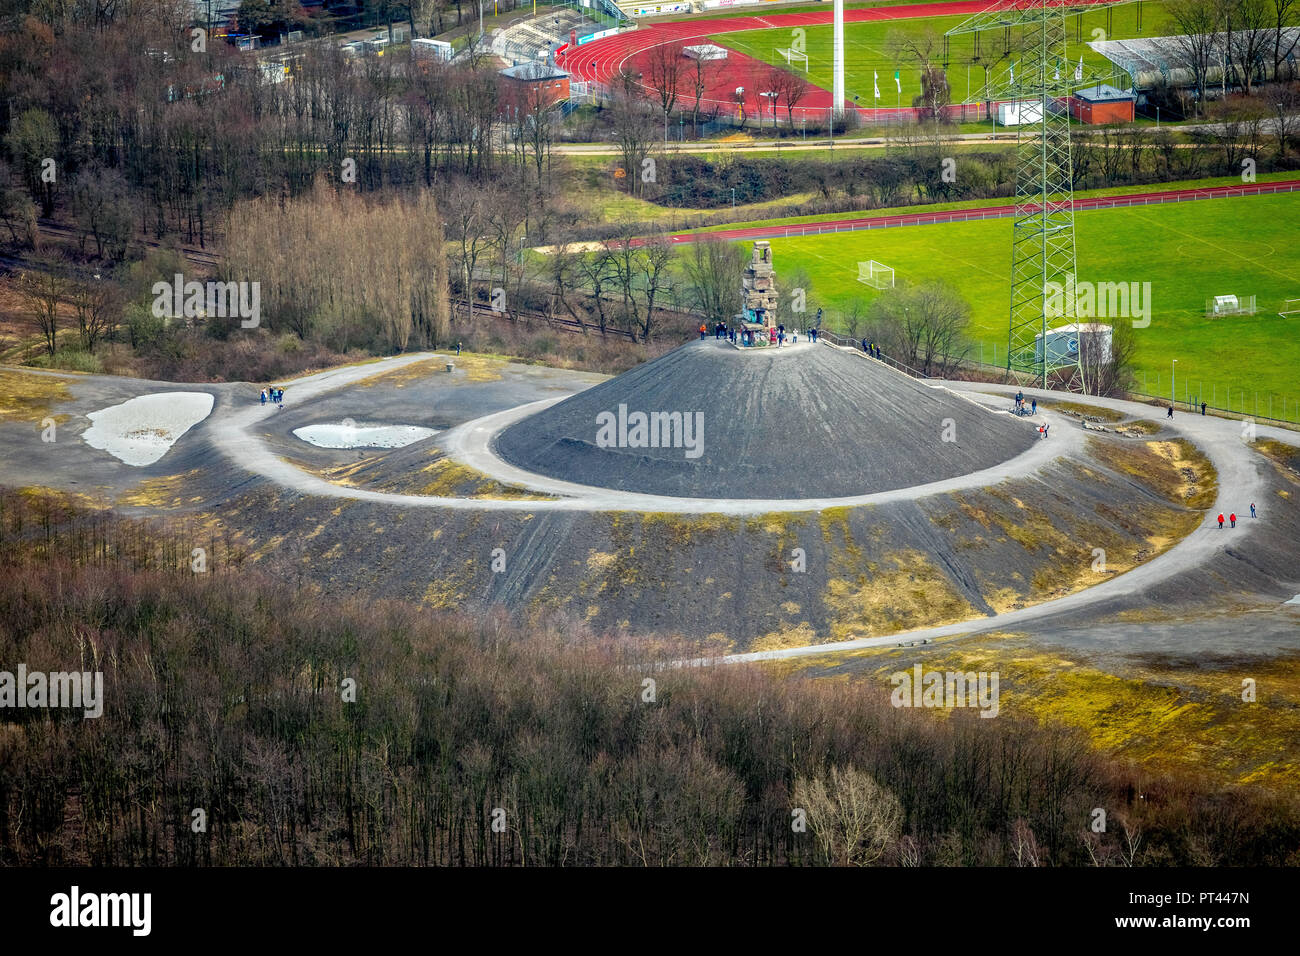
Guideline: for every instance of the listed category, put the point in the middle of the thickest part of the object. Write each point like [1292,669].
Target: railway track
[460,307]
[196,255]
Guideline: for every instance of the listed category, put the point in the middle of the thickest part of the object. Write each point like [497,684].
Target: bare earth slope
[790,423]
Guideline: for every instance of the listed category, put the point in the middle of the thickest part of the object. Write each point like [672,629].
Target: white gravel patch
[141,430]
[348,434]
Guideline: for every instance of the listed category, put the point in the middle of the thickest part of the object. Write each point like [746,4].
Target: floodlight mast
[1042,248]
[837,65]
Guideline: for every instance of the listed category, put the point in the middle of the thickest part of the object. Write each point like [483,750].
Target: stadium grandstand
[1153,62]
[538,38]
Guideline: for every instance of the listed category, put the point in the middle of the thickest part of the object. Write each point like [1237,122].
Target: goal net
[792,56]
[876,274]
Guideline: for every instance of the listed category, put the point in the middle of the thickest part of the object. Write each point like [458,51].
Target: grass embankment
[1166,716]
[1187,252]
[439,478]
[28,397]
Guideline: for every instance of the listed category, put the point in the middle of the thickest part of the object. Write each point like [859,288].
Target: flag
[897,82]
[1078,71]
[876,80]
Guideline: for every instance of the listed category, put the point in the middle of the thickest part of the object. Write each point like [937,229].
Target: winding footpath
[1241,476]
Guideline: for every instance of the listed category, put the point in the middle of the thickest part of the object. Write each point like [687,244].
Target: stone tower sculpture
[758,295]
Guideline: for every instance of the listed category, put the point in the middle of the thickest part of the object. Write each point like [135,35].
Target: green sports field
[866,52]
[1187,251]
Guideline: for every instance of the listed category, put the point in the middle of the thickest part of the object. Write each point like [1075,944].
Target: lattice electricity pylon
[1042,250]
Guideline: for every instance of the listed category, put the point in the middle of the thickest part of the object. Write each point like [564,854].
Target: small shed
[1101,104]
[551,83]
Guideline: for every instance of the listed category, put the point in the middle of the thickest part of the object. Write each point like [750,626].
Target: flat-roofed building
[1101,104]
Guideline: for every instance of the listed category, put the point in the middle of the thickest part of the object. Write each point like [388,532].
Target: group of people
[871,348]
[776,335]
[1233,516]
[1023,409]
[273,395]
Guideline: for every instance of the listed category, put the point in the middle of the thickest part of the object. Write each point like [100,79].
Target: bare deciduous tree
[713,271]
[1283,101]
[928,321]
[854,818]
[43,291]
[665,66]
[97,304]
[1199,24]
[377,269]
[1249,39]
[635,127]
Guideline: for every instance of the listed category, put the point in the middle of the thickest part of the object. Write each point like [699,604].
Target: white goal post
[1292,308]
[793,56]
[876,274]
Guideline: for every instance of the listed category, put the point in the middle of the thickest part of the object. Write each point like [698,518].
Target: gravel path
[1241,481]
[1241,472]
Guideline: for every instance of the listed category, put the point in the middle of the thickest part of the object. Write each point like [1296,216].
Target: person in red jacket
[1233,518]
[1220,519]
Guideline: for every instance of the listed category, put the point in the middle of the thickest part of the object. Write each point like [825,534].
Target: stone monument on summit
[758,295]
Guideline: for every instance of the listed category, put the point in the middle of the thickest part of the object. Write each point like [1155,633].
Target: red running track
[987,212]
[602,60]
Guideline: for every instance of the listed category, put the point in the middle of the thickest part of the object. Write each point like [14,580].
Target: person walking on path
[1171,410]
[1220,519]
[263,396]
[703,331]
[1202,409]
[1034,405]
[1252,510]
[1233,518]
[458,348]
[865,347]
